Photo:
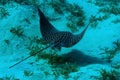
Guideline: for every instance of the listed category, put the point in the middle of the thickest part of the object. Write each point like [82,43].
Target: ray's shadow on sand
[81,59]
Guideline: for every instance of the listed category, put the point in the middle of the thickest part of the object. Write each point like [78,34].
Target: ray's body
[51,35]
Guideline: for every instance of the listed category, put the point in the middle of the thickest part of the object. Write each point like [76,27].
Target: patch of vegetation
[35,49]
[18,31]
[80,22]
[103,3]
[99,3]
[53,57]
[35,44]
[76,16]
[116,21]
[117,45]
[9,78]
[108,75]
[27,20]
[110,53]
[72,27]
[107,6]
[21,1]
[28,73]
[64,69]
[111,10]
[37,40]
[115,65]
[111,7]
[58,6]
[75,10]
[50,56]
[7,41]
[26,2]
[3,12]
[75,23]
[95,20]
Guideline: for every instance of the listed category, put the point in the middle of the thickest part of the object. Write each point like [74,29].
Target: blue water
[60,40]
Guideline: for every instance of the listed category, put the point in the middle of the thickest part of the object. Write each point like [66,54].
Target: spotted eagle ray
[56,38]
[51,35]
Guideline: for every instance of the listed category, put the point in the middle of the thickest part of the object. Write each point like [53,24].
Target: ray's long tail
[30,56]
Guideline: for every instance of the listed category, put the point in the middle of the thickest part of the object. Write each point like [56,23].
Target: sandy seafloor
[95,41]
